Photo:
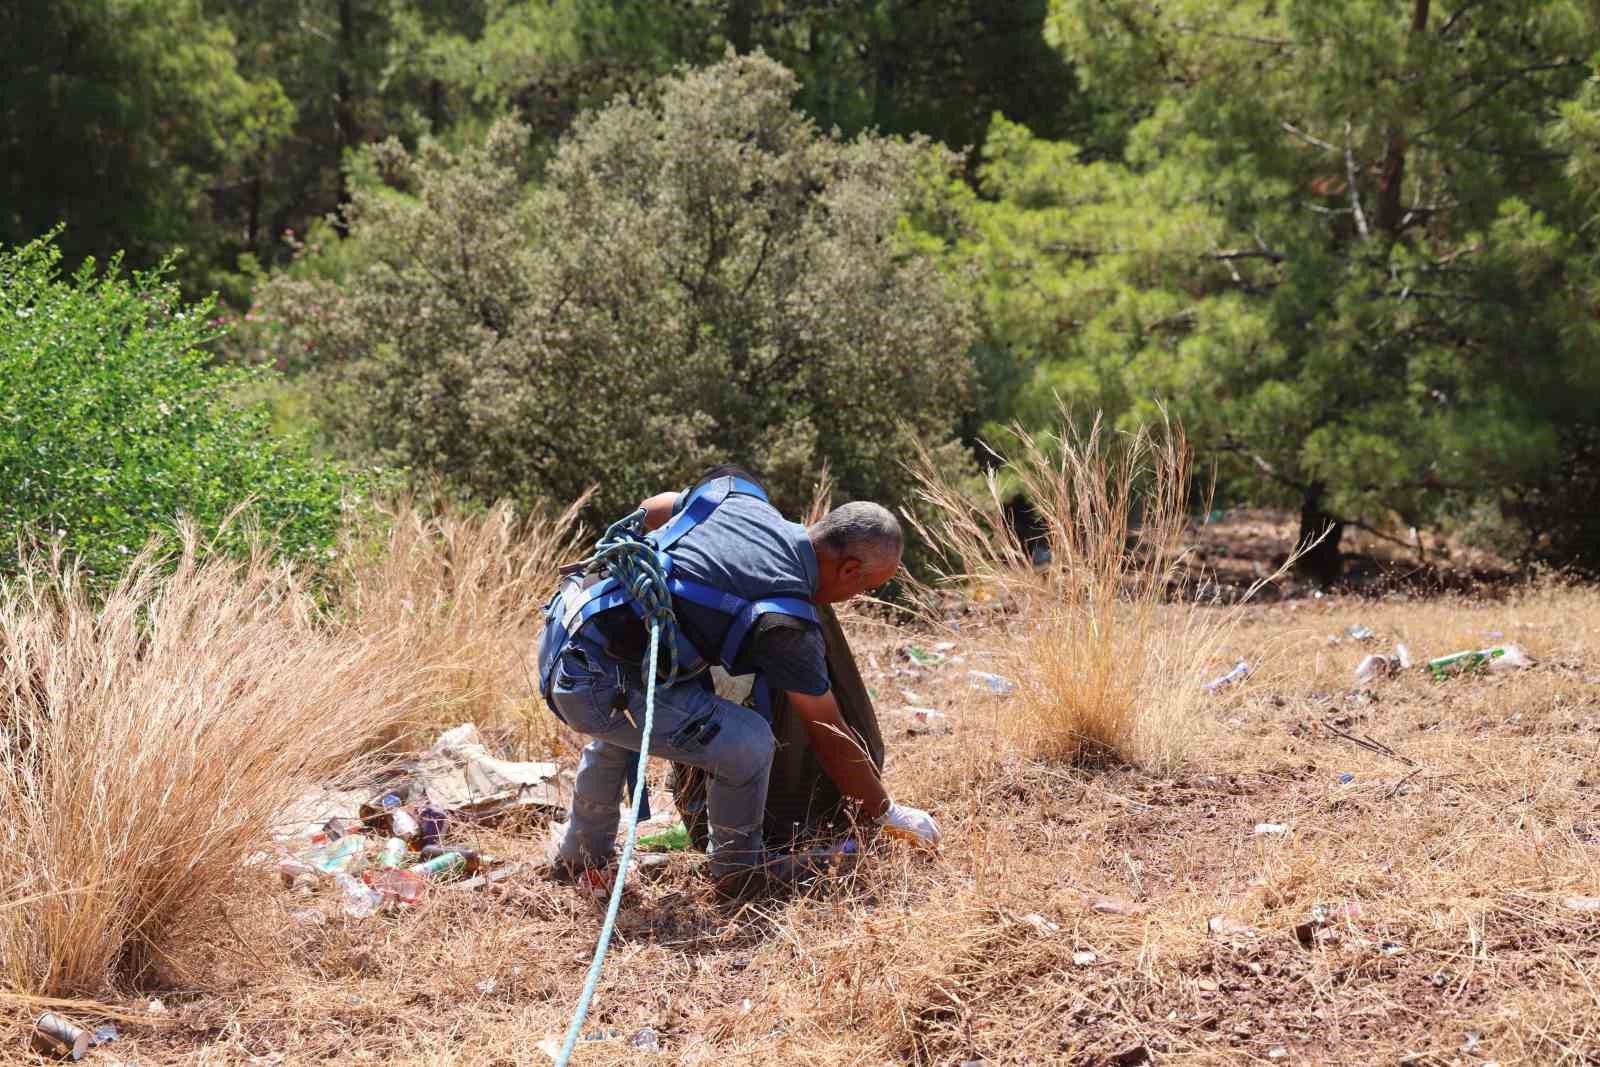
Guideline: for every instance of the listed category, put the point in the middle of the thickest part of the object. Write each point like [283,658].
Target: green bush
[114,421]
[703,276]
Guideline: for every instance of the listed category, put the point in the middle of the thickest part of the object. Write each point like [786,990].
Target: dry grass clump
[463,593]
[149,740]
[1108,668]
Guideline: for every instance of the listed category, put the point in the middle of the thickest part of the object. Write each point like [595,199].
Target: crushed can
[59,1037]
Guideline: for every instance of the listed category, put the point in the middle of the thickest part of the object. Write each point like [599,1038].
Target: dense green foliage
[1352,245]
[1338,242]
[701,276]
[114,421]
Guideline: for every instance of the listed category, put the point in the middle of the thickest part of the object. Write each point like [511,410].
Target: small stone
[1040,924]
[1084,958]
[1221,924]
[1277,1052]
[1271,828]
[646,1040]
[1113,906]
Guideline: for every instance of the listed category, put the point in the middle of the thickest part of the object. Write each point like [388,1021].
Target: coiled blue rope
[633,561]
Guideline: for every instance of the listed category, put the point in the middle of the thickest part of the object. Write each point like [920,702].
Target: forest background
[508,249]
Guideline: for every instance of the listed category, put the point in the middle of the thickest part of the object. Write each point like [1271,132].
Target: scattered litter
[1226,927]
[1403,655]
[1271,828]
[1373,667]
[910,698]
[1359,632]
[1471,1040]
[1391,948]
[944,646]
[1084,958]
[646,1040]
[673,839]
[487,987]
[359,899]
[1345,777]
[383,853]
[155,1007]
[994,683]
[461,778]
[1500,659]
[1040,923]
[60,1038]
[1582,903]
[1277,1052]
[922,658]
[1239,673]
[927,722]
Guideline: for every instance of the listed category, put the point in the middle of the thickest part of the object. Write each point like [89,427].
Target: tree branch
[1355,195]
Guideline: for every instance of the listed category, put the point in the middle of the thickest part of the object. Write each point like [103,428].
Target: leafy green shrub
[114,420]
[701,277]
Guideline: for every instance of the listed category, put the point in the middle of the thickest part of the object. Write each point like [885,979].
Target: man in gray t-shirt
[746,548]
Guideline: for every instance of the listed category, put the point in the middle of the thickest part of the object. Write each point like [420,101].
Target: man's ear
[849,568]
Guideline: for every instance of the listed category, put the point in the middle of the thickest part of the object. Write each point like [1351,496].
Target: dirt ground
[1406,871]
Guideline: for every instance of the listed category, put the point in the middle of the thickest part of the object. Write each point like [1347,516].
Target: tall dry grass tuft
[463,592]
[1111,653]
[148,741]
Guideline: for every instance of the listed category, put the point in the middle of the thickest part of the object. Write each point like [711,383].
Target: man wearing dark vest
[744,582]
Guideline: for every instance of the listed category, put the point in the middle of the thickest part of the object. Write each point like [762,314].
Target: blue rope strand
[632,560]
[582,1010]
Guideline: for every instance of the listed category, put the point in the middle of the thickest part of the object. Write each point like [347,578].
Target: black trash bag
[801,798]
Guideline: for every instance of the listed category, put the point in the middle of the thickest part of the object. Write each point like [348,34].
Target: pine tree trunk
[1322,561]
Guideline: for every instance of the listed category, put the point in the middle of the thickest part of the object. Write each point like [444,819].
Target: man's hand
[840,754]
[914,824]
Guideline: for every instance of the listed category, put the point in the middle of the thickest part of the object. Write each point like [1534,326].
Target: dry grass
[148,743]
[149,740]
[1459,949]
[1107,670]
[464,593]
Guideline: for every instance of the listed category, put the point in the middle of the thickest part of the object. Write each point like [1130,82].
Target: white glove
[913,824]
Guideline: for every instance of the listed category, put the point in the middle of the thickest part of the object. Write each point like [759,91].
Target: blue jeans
[692,725]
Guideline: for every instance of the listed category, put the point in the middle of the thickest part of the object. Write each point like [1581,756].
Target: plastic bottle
[394,853]
[1460,662]
[994,683]
[472,861]
[360,899]
[344,856]
[403,888]
[444,865]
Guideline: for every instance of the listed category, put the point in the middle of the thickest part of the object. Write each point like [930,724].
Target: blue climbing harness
[575,604]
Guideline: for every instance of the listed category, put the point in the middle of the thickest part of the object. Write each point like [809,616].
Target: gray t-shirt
[747,548]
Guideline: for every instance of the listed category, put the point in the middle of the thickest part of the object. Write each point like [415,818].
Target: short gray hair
[867,531]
